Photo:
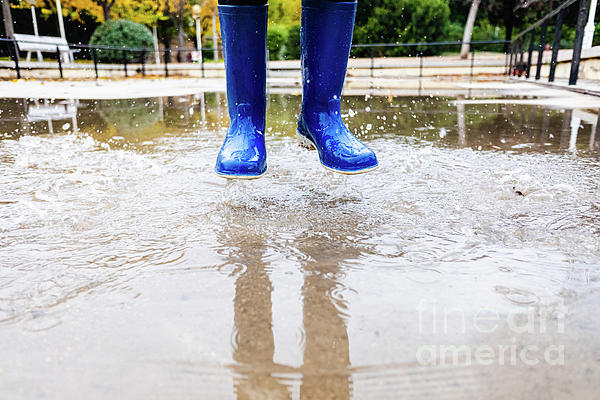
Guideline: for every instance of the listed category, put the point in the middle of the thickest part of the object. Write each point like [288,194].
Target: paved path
[109,89]
[489,91]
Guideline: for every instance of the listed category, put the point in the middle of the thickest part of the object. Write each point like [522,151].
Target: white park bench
[45,44]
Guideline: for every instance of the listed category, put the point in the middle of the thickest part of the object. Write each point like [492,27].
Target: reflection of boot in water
[253,343]
[254,347]
[326,354]
[325,370]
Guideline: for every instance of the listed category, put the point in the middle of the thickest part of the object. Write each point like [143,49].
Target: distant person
[325,38]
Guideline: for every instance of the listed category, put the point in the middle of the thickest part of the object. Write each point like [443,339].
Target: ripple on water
[424,275]
[85,218]
[518,296]
[432,205]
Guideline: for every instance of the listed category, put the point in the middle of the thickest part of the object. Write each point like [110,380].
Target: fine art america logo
[509,333]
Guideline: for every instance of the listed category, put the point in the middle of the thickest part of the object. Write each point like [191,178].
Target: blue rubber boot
[243,31]
[325,38]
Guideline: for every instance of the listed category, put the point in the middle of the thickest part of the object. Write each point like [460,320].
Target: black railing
[420,50]
[517,65]
[127,56]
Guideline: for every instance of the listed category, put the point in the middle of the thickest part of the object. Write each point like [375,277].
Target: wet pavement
[467,266]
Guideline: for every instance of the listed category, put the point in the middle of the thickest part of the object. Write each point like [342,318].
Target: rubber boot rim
[241,177]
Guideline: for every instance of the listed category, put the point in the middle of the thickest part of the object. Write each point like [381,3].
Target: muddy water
[467,266]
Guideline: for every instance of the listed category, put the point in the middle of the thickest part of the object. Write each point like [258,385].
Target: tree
[178,10]
[403,21]
[284,12]
[209,23]
[208,10]
[466,47]
[106,5]
[143,11]
[7,17]
[147,12]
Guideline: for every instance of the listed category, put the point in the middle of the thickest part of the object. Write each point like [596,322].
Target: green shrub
[568,37]
[121,33]
[483,31]
[277,36]
[404,21]
[454,33]
[292,45]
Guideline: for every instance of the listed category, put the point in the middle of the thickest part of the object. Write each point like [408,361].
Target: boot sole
[241,177]
[358,172]
[305,142]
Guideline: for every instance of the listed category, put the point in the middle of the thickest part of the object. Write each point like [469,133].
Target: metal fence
[93,53]
[420,49]
[140,57]
[516,62]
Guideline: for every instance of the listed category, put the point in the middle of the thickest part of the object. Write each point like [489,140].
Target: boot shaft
[243,33]
[325,40]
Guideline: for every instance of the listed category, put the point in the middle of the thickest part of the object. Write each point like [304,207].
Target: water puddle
[468,260]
